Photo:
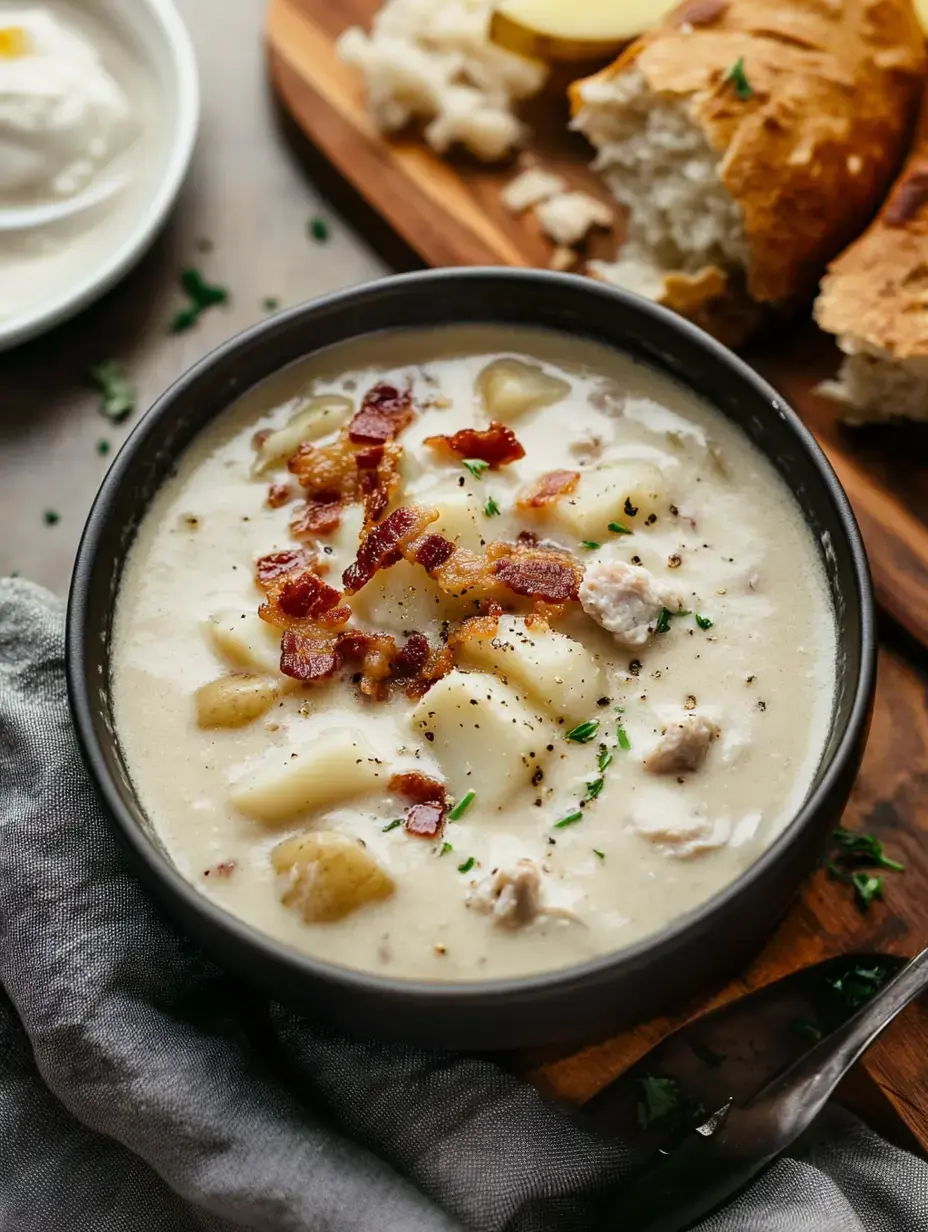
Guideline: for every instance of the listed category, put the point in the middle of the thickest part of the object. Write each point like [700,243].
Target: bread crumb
[562,258]
[568,217]
[530,187]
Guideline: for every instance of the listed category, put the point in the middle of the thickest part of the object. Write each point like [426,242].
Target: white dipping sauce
[78,110]
[722,725]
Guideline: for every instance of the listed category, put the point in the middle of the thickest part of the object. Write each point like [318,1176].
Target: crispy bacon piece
[384,413]
[536,573]
[305,596]
[432,551]
[306,658]
[412,658]
[477,628]
[548,488]
[428,807]
[347,473]
[276,564]
[496,445]
[383,544]
[316,517]
[278,494]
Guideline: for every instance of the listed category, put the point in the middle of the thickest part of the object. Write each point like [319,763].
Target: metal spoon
[27,217]
[724,1096]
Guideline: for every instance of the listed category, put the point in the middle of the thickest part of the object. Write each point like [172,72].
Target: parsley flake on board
[201,295]
[703,621]
[863,849]
[618,529]
[476,466]
[103,446]
[391,825]
[660,1099]
[467,865]
[117,393]
[583,733]
[866,889]
[491,509]
[318,228]
[568,820]
[462,806]
[858,984]
[736,75]
[270,303]
[52,517]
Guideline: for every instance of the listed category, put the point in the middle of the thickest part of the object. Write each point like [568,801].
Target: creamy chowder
[544,657]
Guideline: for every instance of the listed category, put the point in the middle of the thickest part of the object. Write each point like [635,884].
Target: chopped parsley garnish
[569,820]
[600,855]
[583,733]
[52,517]
[590,544]
[270,303]
[858,984]
[462,806]
[491,509]
[864,849]
[618,529]
[665,616]
[318,228]
[594,787]
[808,1030]
[476,466]
[660,1098]
[622,736]
[117,393]
[201,295]
[866,889]
[703,621]
[712,1060]
[445,848]
[467,865]
[736,75]
[604,759]
[391,825]
[103,446]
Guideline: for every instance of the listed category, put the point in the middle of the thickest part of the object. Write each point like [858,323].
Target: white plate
[157,35]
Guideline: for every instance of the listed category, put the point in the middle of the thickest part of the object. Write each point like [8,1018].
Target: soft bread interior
[874,385]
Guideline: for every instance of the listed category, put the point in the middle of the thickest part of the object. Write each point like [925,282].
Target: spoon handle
[810,1082]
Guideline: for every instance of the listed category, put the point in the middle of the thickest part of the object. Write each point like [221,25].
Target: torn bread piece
[874,298]
[750,141]
[569,217]
[530,187]
[432,61]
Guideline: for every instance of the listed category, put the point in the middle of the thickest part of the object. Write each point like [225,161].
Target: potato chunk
[404,598]
[315,418]
[233,701]
[484,736]
[627,492]
[337,765]
[461,517]
[510,387]
[325,876]
[555,670]
[245,641]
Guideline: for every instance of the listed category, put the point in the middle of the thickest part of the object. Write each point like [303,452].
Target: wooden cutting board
[451,214]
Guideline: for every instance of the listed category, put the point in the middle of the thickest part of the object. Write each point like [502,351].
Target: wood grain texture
[450,213]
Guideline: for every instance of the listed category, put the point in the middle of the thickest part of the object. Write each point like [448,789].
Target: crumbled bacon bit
[426,815]
[278,494]
[344,472]
[477,628]
[432,551]
[306,596]
[317,517]
[548,488]
[383,544]
[305,658]
[496,445]
[352,645]
[384,412]
[413,657]
[276,564]
[537,572]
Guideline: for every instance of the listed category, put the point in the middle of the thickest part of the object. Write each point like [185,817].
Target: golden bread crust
[808,156]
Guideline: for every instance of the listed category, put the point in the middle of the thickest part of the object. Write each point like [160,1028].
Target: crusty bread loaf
[750,141]
[875,299]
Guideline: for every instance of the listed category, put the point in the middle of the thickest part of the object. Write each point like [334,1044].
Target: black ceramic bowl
[579,1002]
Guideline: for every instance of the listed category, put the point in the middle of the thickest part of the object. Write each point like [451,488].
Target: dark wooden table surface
[253,187]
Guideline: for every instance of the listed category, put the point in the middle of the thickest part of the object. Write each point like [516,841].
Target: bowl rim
[182,138]
[158,865]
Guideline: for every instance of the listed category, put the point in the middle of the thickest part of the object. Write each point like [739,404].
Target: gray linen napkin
[144,1090]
